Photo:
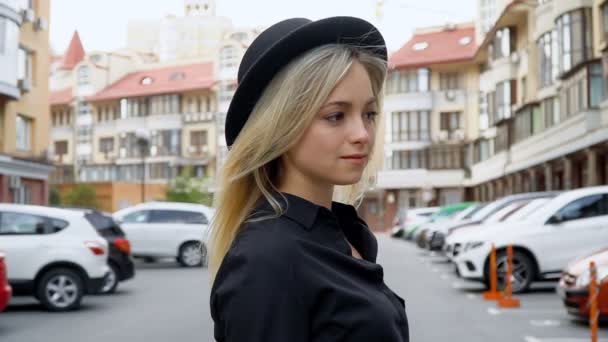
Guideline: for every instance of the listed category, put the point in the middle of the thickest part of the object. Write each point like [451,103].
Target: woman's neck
[319,195]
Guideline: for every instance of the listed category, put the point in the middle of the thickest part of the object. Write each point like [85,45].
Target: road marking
[456,285]
[545,323]
[435,270]
[445,276]
[471,296]
[493,311]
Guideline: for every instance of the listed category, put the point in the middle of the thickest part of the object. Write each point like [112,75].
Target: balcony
[408,101]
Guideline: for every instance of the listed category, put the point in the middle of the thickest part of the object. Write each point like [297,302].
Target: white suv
[566,227]
[53,254]
[167,229]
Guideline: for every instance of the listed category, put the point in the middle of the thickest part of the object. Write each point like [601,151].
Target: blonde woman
[290,259]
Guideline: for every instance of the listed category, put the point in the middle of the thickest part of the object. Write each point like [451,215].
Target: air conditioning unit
[41,24]
[450,95]
[27,15]
[459,134]
[443,135]
[192,149]
[14,182]
[205,149]
[25,84]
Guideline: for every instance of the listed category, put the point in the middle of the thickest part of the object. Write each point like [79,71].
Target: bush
[82,195]
[54,197]
[188,189]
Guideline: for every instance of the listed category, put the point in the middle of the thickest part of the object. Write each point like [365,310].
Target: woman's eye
[371,116]
[335,117]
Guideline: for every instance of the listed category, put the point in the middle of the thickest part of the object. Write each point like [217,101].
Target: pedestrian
[290,258]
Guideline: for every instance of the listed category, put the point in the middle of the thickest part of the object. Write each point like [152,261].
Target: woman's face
[335,148]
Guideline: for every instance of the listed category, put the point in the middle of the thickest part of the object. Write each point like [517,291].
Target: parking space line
[495,311]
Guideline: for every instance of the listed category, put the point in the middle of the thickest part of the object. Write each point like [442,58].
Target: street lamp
[143,141]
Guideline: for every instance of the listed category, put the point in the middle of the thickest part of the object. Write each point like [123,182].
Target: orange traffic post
[508,301]
[493,294]
[593,298]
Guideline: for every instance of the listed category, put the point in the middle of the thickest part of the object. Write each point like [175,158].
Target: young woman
[290,258]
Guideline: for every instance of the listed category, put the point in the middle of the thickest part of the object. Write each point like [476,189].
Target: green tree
[54,197]
[82,195]
[188,189]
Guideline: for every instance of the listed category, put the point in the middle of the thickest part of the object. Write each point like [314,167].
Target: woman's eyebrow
[348,103]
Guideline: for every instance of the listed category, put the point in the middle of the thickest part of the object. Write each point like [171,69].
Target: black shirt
[293,278]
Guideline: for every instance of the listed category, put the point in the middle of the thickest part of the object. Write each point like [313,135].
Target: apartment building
[543,95]
[430,109]
[24,92]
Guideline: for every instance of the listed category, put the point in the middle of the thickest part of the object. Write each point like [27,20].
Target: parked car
[497,211]
[573,286]
[444,213]
[167,229]
[5,288]
[566,227]
[53,254]
[454,241]
[120,262]
[409,217]
[460,218]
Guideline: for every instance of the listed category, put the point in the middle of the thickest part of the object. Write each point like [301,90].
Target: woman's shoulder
[264,241]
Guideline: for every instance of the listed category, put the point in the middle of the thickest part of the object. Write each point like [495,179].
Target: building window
[24,133]
[451,123]
[227,90]
[167,142]
[483,149]
[229,57]
[106,145]
[503,44]
[450,80]
[410,126]
[446,157]
[500,102]
[582,90]
[408,81]
[24,65]
[403,160]
[548,58]
[61,147]
[83,76]
[198,139]
[549,108]
[574,32]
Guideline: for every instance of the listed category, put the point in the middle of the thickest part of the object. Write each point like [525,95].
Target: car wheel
[524,271]
[60,289]
[190,254]
[110,282]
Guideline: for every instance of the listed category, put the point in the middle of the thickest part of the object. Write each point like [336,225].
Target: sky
[102,25]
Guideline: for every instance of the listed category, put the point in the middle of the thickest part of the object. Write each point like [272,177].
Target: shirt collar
[305,212]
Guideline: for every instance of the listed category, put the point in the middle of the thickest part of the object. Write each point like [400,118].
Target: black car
[119,259]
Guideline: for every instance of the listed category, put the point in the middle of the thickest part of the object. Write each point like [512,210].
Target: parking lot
[165,302]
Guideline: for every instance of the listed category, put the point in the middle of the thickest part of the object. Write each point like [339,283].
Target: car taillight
[123,245]
[95,247]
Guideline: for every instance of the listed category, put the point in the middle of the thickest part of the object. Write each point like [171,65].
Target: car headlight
[472,245]
[584,279]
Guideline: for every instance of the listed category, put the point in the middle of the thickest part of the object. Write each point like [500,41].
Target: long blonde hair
[280,117]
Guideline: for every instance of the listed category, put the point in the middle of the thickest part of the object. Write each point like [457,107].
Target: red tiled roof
[195,76]
[61,97]
[74,53]
[443,47]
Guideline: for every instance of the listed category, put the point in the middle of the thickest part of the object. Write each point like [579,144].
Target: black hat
[280,44]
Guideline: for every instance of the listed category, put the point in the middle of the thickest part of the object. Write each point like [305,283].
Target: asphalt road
[168,303]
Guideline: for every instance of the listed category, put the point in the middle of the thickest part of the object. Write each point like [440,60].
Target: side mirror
[556,219]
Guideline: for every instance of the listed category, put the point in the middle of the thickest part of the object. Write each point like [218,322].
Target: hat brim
[335,30]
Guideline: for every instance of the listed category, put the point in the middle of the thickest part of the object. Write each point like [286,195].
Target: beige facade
[24,115]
